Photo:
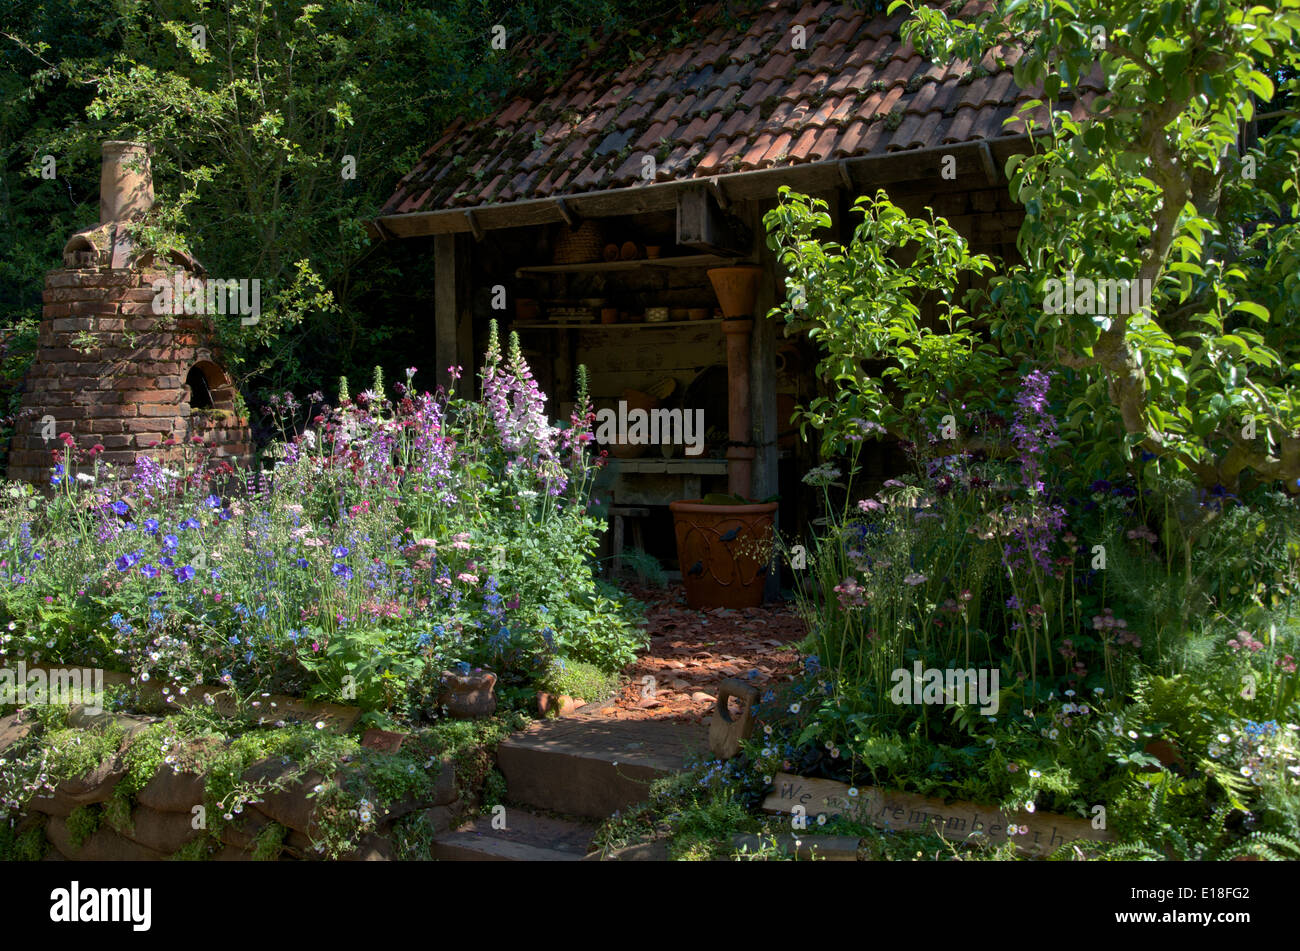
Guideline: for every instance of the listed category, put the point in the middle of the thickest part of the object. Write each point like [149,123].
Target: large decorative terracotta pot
[737,289]
[720,551]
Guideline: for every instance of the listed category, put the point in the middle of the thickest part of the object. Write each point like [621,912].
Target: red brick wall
[123,383]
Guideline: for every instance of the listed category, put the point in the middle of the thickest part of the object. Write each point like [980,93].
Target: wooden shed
[588,215]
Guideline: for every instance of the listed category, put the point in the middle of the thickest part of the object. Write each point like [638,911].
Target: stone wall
[162,816]
[111,373]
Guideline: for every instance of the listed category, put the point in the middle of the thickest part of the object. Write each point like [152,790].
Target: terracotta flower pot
[470,695]
[717,547]
[562,704]
[737,288]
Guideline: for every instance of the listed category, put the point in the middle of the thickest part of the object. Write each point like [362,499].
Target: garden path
[692,652]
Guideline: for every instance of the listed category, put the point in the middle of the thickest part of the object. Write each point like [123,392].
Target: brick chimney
[109,370]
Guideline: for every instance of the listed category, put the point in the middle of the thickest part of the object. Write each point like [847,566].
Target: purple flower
[302,563]
[189,523]
[148,570]
[120,508]
[341,571]
[127,562]
[340,552]
[151,526]
[170,542]
[183,574]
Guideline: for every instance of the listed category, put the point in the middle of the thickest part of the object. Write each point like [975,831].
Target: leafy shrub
[575,678]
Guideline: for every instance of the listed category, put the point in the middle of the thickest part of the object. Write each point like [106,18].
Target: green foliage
[574,678]
[269,843]
[82,824]
[887,364]
[1151,183]
[254,132]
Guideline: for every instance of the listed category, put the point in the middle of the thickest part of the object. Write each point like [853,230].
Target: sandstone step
[591,767]
[527,837]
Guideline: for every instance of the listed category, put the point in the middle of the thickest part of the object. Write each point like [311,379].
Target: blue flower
[190,523]
[148,570]
[126,562]
[302,563]
[340,552]
[341,571]
[183,574]
[166,561]
[151,526]
[170,542]
[212,502]
[120,508]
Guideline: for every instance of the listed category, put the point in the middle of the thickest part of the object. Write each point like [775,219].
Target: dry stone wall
[161,819]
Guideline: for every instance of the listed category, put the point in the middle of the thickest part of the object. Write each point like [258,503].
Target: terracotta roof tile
[959,130]
[749,47]
[780,116]
[797,89]
[652,135]
[779,150]
[713,160]
[629,171]
[842,29]
[824,58]
[754,156]
[857,89]
[736,122]
[755,94]
[701,128]
[777,65]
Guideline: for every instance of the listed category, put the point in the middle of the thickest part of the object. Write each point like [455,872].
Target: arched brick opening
[209,387]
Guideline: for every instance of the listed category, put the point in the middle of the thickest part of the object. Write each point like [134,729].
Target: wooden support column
[452,312]
[740,459]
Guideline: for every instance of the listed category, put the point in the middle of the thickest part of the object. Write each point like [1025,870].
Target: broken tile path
[692,652]
[565,775]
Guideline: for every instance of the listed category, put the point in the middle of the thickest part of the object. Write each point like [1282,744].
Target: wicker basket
[581,245]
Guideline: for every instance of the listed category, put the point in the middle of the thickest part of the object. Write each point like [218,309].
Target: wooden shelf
[673,466]
[598,267]
[597,325]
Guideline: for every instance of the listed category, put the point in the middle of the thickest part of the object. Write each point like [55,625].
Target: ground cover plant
[391,539]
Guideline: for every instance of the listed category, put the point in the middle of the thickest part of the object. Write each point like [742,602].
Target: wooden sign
[1036,833]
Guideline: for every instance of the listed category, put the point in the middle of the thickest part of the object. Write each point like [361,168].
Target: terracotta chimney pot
[125,181]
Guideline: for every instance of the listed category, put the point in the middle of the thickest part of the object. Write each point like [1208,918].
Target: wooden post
[453,330]
[740,459]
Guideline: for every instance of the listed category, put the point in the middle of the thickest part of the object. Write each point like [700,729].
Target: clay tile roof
[742,97]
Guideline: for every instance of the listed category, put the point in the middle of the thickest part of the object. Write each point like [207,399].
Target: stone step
[593,767]
[527,837]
